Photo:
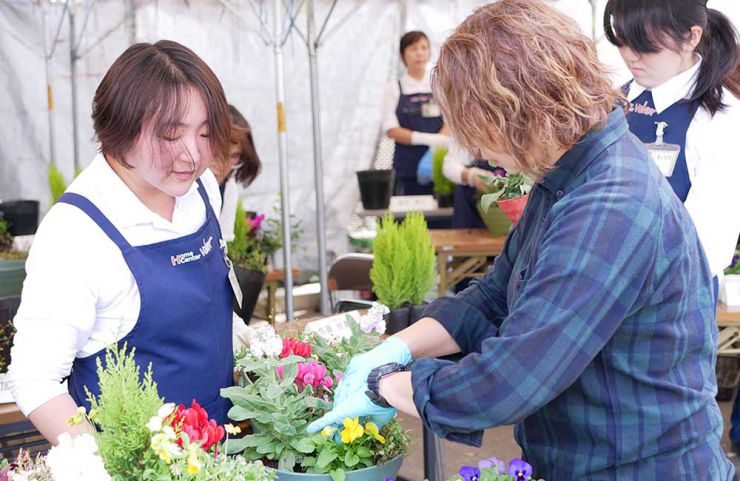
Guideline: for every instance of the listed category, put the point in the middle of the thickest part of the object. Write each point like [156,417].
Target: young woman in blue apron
[412,118]
[684,108]
[132,252]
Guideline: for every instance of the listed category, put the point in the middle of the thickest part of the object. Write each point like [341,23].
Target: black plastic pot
[415,312]
[376,187]
[251,282]
[22,215]
[397,320]
[445,201]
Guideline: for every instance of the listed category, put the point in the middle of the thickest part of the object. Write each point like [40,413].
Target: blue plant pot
[373,473]
[12,274]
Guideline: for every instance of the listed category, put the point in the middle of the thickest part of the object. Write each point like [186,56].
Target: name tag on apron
[232,275]
[664,155]
[430,109]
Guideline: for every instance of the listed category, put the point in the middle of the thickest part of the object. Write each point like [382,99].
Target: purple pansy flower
[491,462]
[470,473]
[519,469]
[390,479]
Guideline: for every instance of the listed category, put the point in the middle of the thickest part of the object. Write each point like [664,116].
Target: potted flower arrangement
[495,469]
[444,188]
[730,292]
[286,383]
[139,437]
[510,192]
[12,263]
[403,268]
[250,261]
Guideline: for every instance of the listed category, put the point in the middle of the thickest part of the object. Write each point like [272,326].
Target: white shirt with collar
[79,294]
[410,86]
[713,161]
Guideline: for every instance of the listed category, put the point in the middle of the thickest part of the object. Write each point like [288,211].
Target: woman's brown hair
[518,77]
[249,162]
[150,82]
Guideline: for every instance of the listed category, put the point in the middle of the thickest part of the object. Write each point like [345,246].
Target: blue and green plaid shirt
[594,332]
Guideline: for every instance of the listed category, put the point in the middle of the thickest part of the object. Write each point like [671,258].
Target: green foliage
[272,233]
[244,251]
[404,260]
[442,185]
[397,443]
[279,413]
[734,267]
[510,186]
[122,411]
[336,356]
[57,184]
[6,243]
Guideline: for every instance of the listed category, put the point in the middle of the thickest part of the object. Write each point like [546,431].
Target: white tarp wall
[356,59]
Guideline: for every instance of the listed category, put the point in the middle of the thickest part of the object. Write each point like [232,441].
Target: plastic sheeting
[358,55]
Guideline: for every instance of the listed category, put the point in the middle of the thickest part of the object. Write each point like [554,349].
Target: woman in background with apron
[412,118]
[132,252]
[471,177]
[684,107]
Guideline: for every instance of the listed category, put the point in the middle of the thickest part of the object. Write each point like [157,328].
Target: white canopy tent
[357,56]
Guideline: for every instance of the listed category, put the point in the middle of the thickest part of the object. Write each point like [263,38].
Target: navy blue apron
[185,321]
[642,118]
[406,157]
[466,214]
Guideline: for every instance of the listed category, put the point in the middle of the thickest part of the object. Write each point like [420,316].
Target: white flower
[373,320]
[264,342]
[164,445]
[75,459]
[166,410]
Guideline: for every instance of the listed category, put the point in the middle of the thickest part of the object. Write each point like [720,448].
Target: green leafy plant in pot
[249,262]
[403,268]
[444,188]
[510,193]
[12,263]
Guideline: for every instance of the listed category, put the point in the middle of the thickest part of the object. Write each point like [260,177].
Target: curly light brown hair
[518,76]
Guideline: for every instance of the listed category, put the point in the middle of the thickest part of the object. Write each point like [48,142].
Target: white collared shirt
[713,161]
[392,93]
[79,294]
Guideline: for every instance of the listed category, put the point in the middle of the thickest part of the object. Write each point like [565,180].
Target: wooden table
[463,253]
[729,331]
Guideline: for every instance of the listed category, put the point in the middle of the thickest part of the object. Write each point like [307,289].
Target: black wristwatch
[373,381]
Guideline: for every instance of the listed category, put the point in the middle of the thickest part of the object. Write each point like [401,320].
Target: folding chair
[350,272]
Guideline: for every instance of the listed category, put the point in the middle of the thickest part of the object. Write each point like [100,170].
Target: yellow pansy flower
[352,430]
[194,462]
[78,418]
[327,431]
[372,430]
[231,429]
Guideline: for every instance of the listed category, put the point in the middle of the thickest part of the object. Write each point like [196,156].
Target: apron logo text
[643,109]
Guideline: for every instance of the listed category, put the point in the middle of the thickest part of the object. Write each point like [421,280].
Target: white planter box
[729,292]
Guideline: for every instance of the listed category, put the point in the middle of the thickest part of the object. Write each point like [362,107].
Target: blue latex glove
[356,405]
[355,377]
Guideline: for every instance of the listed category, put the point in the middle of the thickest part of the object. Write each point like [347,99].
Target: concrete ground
[497,442]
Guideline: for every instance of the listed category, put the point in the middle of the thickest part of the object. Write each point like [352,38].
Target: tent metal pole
[317,156]
[49,91]
[283,159]
[73,79]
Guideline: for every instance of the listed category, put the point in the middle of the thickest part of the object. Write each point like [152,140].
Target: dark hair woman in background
[411,117]
[242,168]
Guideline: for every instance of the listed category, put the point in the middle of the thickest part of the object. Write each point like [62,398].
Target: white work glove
[432,140]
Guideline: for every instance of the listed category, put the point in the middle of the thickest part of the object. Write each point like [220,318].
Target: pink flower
[327,382]
[256,222]
[279,370]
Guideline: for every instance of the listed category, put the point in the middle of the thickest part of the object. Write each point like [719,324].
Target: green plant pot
[12,274]
[495,220]
[373,473]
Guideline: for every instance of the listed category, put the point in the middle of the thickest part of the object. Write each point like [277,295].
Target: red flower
[194,422]
[296,347]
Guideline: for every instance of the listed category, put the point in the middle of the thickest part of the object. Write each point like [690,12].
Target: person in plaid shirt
[594,332]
